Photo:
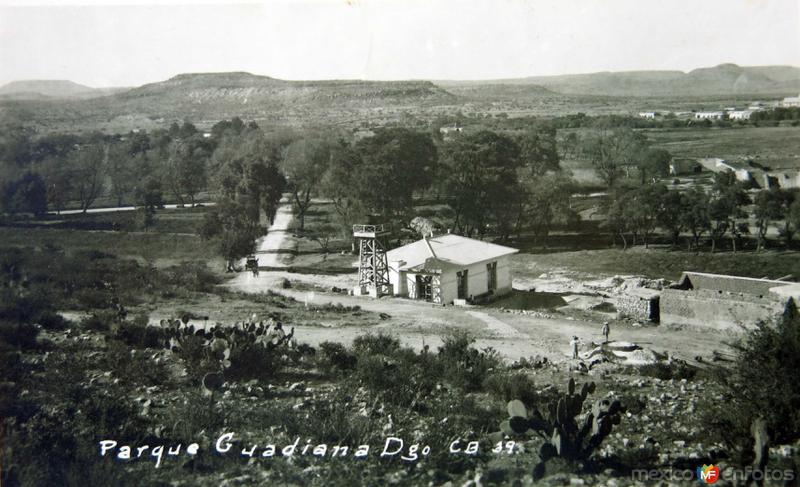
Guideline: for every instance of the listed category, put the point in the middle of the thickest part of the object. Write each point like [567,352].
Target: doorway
[462,278]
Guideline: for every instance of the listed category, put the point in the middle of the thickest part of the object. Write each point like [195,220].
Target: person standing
[606,329]
[574,346]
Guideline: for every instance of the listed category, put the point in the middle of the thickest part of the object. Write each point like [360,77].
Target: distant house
[682,166]
[450,130]
[450,268]
[648,115]
[782,179]
[709,115]
[715,164]
[740,114]
[793,101]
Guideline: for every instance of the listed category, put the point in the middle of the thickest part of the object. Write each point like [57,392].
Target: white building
[793,101]
[648,115]
[740,114]
[715,164]
[709,115]
[448,268]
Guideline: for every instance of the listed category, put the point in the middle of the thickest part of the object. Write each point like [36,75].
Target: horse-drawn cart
[252,264]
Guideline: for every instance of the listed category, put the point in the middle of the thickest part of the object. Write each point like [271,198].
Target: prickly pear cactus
[562,434]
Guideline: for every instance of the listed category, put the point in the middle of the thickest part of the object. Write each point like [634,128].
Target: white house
[649,115]
[709,115]
[740,114]
[792,101]
[715,164]
[450,267]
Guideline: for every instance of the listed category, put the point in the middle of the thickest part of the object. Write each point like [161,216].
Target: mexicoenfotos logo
[708,474]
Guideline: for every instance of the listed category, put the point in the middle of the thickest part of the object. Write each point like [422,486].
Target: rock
[297,386]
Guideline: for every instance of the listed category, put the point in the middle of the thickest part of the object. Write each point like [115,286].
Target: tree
[538,152]
[396,163]
[122,172]
[149,198]
[610,151]
[234,232]
[185,168]
[769,207]
[58,180]
[792,222]
[246,170]
[304,166]
[670,214]
[696,215]
[645,205]
[654,163]
[339,185]
[727,208]
[88,165]
[28,194]
[618,217]
[482,179]
[547,201]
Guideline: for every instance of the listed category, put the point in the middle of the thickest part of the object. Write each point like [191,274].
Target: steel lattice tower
[373,268]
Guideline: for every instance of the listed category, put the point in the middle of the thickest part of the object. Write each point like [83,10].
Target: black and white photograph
[435,243]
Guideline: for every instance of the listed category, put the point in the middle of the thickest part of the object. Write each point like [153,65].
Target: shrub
[18,335]
[676,370]
[761,383]
[514,385]
[464,366]
[335,356]
[378,344]
[251,360]
[99,321]
[193,275]
[140,336]
[52,321]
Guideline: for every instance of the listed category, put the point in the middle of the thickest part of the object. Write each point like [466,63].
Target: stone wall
[732,284]
[714,309]
[642,308]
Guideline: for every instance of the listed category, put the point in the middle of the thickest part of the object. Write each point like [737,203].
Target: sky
[131,42]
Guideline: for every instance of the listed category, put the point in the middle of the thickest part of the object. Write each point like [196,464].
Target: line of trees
[76,170]
[633,215]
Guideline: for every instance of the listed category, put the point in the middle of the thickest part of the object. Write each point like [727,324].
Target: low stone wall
[715,309]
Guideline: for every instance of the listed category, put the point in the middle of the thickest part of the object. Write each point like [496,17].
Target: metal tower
[373,269]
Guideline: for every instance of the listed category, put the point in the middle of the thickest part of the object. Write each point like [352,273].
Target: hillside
[724,79]
[209,97]
[51,89]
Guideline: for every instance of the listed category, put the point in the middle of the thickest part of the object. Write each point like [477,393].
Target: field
[775,147]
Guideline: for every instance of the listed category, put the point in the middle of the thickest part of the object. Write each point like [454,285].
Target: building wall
[732,284]
[404,283]
[713,309]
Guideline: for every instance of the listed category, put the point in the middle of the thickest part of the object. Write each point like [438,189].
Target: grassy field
[162,250]
[659,263]
[777,147]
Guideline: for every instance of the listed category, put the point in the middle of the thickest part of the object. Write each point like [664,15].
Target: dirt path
[495,325]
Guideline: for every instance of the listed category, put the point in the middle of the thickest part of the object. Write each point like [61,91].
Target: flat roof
[449,249]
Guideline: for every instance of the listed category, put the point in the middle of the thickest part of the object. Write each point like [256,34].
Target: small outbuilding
[450,268]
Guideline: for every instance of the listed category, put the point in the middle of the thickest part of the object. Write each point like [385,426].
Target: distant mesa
[47,89]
